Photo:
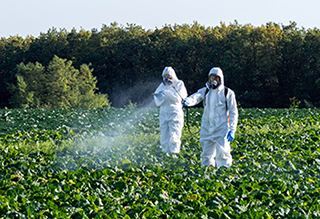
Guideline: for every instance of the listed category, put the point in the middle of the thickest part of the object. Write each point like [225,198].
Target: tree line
[269,66]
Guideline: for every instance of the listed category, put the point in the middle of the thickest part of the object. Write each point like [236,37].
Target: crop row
[107,163]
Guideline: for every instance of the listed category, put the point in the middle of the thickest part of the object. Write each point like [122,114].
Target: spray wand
[182,101]
[178,93]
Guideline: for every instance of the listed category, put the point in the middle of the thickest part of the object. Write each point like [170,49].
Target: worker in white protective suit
[168,97]
[219,119]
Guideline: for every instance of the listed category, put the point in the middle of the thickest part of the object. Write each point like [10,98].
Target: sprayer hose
[189,125]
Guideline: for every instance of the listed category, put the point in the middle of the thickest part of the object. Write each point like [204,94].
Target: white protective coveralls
[171,116]
[214,126]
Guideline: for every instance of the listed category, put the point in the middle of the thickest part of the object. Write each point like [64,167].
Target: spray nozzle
[184,102]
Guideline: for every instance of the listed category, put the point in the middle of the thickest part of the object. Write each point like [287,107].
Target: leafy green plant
[131,105]
[108,163]
[294,103]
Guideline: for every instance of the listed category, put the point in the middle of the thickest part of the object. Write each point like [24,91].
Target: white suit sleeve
[196,98]
[178,91]
[158,99]
[233,110]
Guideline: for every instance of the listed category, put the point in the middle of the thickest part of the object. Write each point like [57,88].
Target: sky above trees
[32,17]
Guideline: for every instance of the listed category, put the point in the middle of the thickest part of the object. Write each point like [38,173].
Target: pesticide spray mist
[130,137]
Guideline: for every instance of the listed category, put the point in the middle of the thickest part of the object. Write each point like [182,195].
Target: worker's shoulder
[228,90]
[202,89]
[180,81]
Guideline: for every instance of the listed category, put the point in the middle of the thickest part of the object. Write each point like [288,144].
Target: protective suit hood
[170,71]
[217,71]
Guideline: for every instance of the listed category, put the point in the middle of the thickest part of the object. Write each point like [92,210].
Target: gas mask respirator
[167,81]
[213,84]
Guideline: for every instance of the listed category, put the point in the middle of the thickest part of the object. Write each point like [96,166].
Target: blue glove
[159,95]
[184,102]
[230,136]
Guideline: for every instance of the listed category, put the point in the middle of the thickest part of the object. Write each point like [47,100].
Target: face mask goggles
[213,83]
[167,81]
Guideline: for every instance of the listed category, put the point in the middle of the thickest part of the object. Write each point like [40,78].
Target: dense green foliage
[265,66]
[107,163]
[59,85]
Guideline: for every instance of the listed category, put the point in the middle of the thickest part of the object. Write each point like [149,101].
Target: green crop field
[107,163]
